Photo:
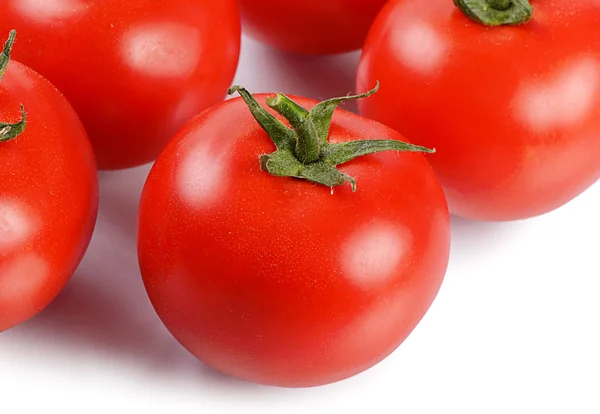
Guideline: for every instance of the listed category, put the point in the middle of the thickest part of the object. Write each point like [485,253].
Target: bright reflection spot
[187,107]
[16,224]
[374,253]
[387,321]
[200,175]
[166,50]
[562,100]
[46,10]
[421,47]
[22,278]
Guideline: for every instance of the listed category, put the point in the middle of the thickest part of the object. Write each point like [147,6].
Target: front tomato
[48,192]
[514,110]
[284,281]
[135,71]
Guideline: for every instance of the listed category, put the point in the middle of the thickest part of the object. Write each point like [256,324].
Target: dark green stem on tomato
[308,147]
[497,12]
[10,131]
[500,4]
[5,55]
[304,150]
[279,133]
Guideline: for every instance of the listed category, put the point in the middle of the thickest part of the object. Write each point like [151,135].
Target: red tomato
[135,71]
[282,281]
[310,26]
[48,195]
[513,111]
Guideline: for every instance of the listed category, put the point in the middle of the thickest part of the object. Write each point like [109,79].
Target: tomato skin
[276,280]
[134,71]
[514,112]
[314,27]
[48,195]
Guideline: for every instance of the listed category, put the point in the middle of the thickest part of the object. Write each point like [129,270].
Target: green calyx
[9,131]
[303,151]
[5,55]
[497,12]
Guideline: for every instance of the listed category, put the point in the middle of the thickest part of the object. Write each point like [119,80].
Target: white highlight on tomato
[47,11]
[22,279]
[163,50]
[200,177]
[563,100]
[374,252]
[422,49]
[16,224]
[388,320]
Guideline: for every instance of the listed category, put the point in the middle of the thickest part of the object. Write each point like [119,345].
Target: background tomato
[135,71]
[514,111]
[277,280]
[48,195]
[310,26]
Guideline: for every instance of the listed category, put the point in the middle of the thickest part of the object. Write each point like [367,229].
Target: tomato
[48,193]
[135,71]
[310,26]
[513,111]
[279,280]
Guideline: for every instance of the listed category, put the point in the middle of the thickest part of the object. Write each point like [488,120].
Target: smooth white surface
[515,328]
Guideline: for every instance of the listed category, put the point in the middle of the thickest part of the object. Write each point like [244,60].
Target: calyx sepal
[497,12]
[303,151]
[10,131]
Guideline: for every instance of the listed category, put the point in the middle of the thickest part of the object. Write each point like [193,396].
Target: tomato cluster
[283,240]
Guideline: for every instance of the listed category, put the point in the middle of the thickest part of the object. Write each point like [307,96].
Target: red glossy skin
[277,280]
[514,112]
[135,71]
[48,195]
[313,27]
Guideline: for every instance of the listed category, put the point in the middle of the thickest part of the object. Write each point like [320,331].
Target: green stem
[290,110]
[308,147]
[5,55]
[497,12]
[279,133]
[347,151]
[312,127]
[500,4]
[11,131]
[307,153]
[322,113]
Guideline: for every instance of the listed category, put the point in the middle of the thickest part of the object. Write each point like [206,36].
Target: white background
[515,328]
